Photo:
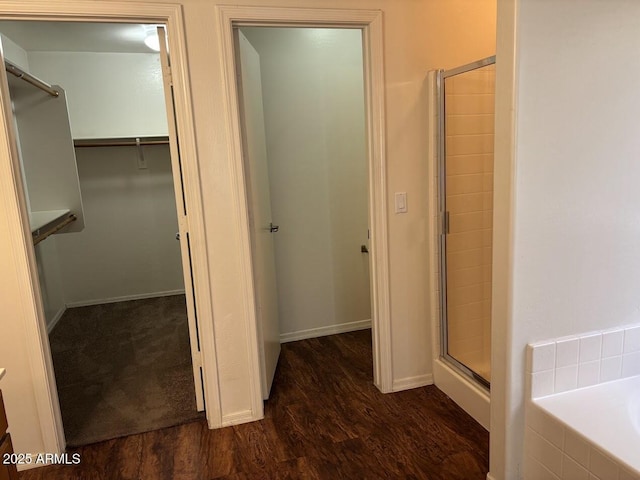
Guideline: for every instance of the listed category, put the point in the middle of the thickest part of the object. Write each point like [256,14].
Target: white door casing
[260,219]
[12,185]
[183,223]
[33,320]
[370,22]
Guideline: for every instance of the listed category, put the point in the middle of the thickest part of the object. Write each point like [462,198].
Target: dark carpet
[123,368]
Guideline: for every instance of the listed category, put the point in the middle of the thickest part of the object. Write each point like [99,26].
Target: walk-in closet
[104,197]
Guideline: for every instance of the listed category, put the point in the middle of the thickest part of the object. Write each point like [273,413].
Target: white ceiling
[77,37]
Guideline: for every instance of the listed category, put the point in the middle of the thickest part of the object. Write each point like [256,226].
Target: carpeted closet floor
[123,368]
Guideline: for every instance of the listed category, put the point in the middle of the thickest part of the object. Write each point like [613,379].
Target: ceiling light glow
[150,35]
[152,41]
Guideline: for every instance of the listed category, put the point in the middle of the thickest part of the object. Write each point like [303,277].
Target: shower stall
[465,210]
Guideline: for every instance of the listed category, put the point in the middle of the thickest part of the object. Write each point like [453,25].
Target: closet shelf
[120,142]
[41,219]
[46,223]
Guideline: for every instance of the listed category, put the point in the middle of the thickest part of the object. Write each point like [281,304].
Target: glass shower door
[466,207]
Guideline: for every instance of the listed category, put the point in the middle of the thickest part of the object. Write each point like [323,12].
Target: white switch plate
[401,202]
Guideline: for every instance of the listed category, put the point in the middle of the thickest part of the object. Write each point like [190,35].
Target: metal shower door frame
[443,219]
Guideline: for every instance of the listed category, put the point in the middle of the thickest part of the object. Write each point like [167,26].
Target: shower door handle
[445,223]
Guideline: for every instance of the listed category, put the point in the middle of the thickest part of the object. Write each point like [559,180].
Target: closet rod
[36,82]
[125,142]
[41,236]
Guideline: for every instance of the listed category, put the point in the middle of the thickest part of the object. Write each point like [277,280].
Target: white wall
[47,154]
[50,277]
[418,36]
[575,177]
[312,84]
[128,246]
[109,94]
[18,386]
[128,249]
[14,53]
[49,170]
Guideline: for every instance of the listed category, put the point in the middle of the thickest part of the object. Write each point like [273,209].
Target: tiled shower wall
[469,128]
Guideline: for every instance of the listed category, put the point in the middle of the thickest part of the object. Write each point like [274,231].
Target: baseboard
[324,331]
[56,318]
[237,418]
[490,477]
[125,298]
[412,382]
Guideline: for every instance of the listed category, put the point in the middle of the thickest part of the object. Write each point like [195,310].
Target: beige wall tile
[486,274]
[466,276]
[469,144]
[469,200]
[470,124]
[486,290]
[487,182]
[466,347]
[466,222]
[466,241]
[470,104]
[487,218]
[466,259]
[486,309]
[457,184]
[478,81]
[470,311]
[487,236]
[461,328]
[487,201]
[487,256]
[465,164]
[472,202]
[488,163]
[463,295]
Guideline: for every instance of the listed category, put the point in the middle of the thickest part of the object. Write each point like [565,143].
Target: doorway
[97,279]
[370,24]
[302,105]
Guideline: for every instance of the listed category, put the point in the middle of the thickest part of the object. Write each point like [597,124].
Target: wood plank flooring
[324,420]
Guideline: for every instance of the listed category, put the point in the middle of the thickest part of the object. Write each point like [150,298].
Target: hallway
[324,420]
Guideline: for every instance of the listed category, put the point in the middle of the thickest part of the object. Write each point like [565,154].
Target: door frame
[34,322]
[370,23]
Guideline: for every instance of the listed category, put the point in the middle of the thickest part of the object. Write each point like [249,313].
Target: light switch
[401,202]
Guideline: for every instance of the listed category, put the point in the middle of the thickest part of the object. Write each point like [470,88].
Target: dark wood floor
[324,420]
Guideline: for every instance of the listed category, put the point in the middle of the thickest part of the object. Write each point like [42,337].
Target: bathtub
[606,419]
[582,409]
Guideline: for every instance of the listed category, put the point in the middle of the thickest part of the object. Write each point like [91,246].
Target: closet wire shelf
[120,142]
[40,235]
